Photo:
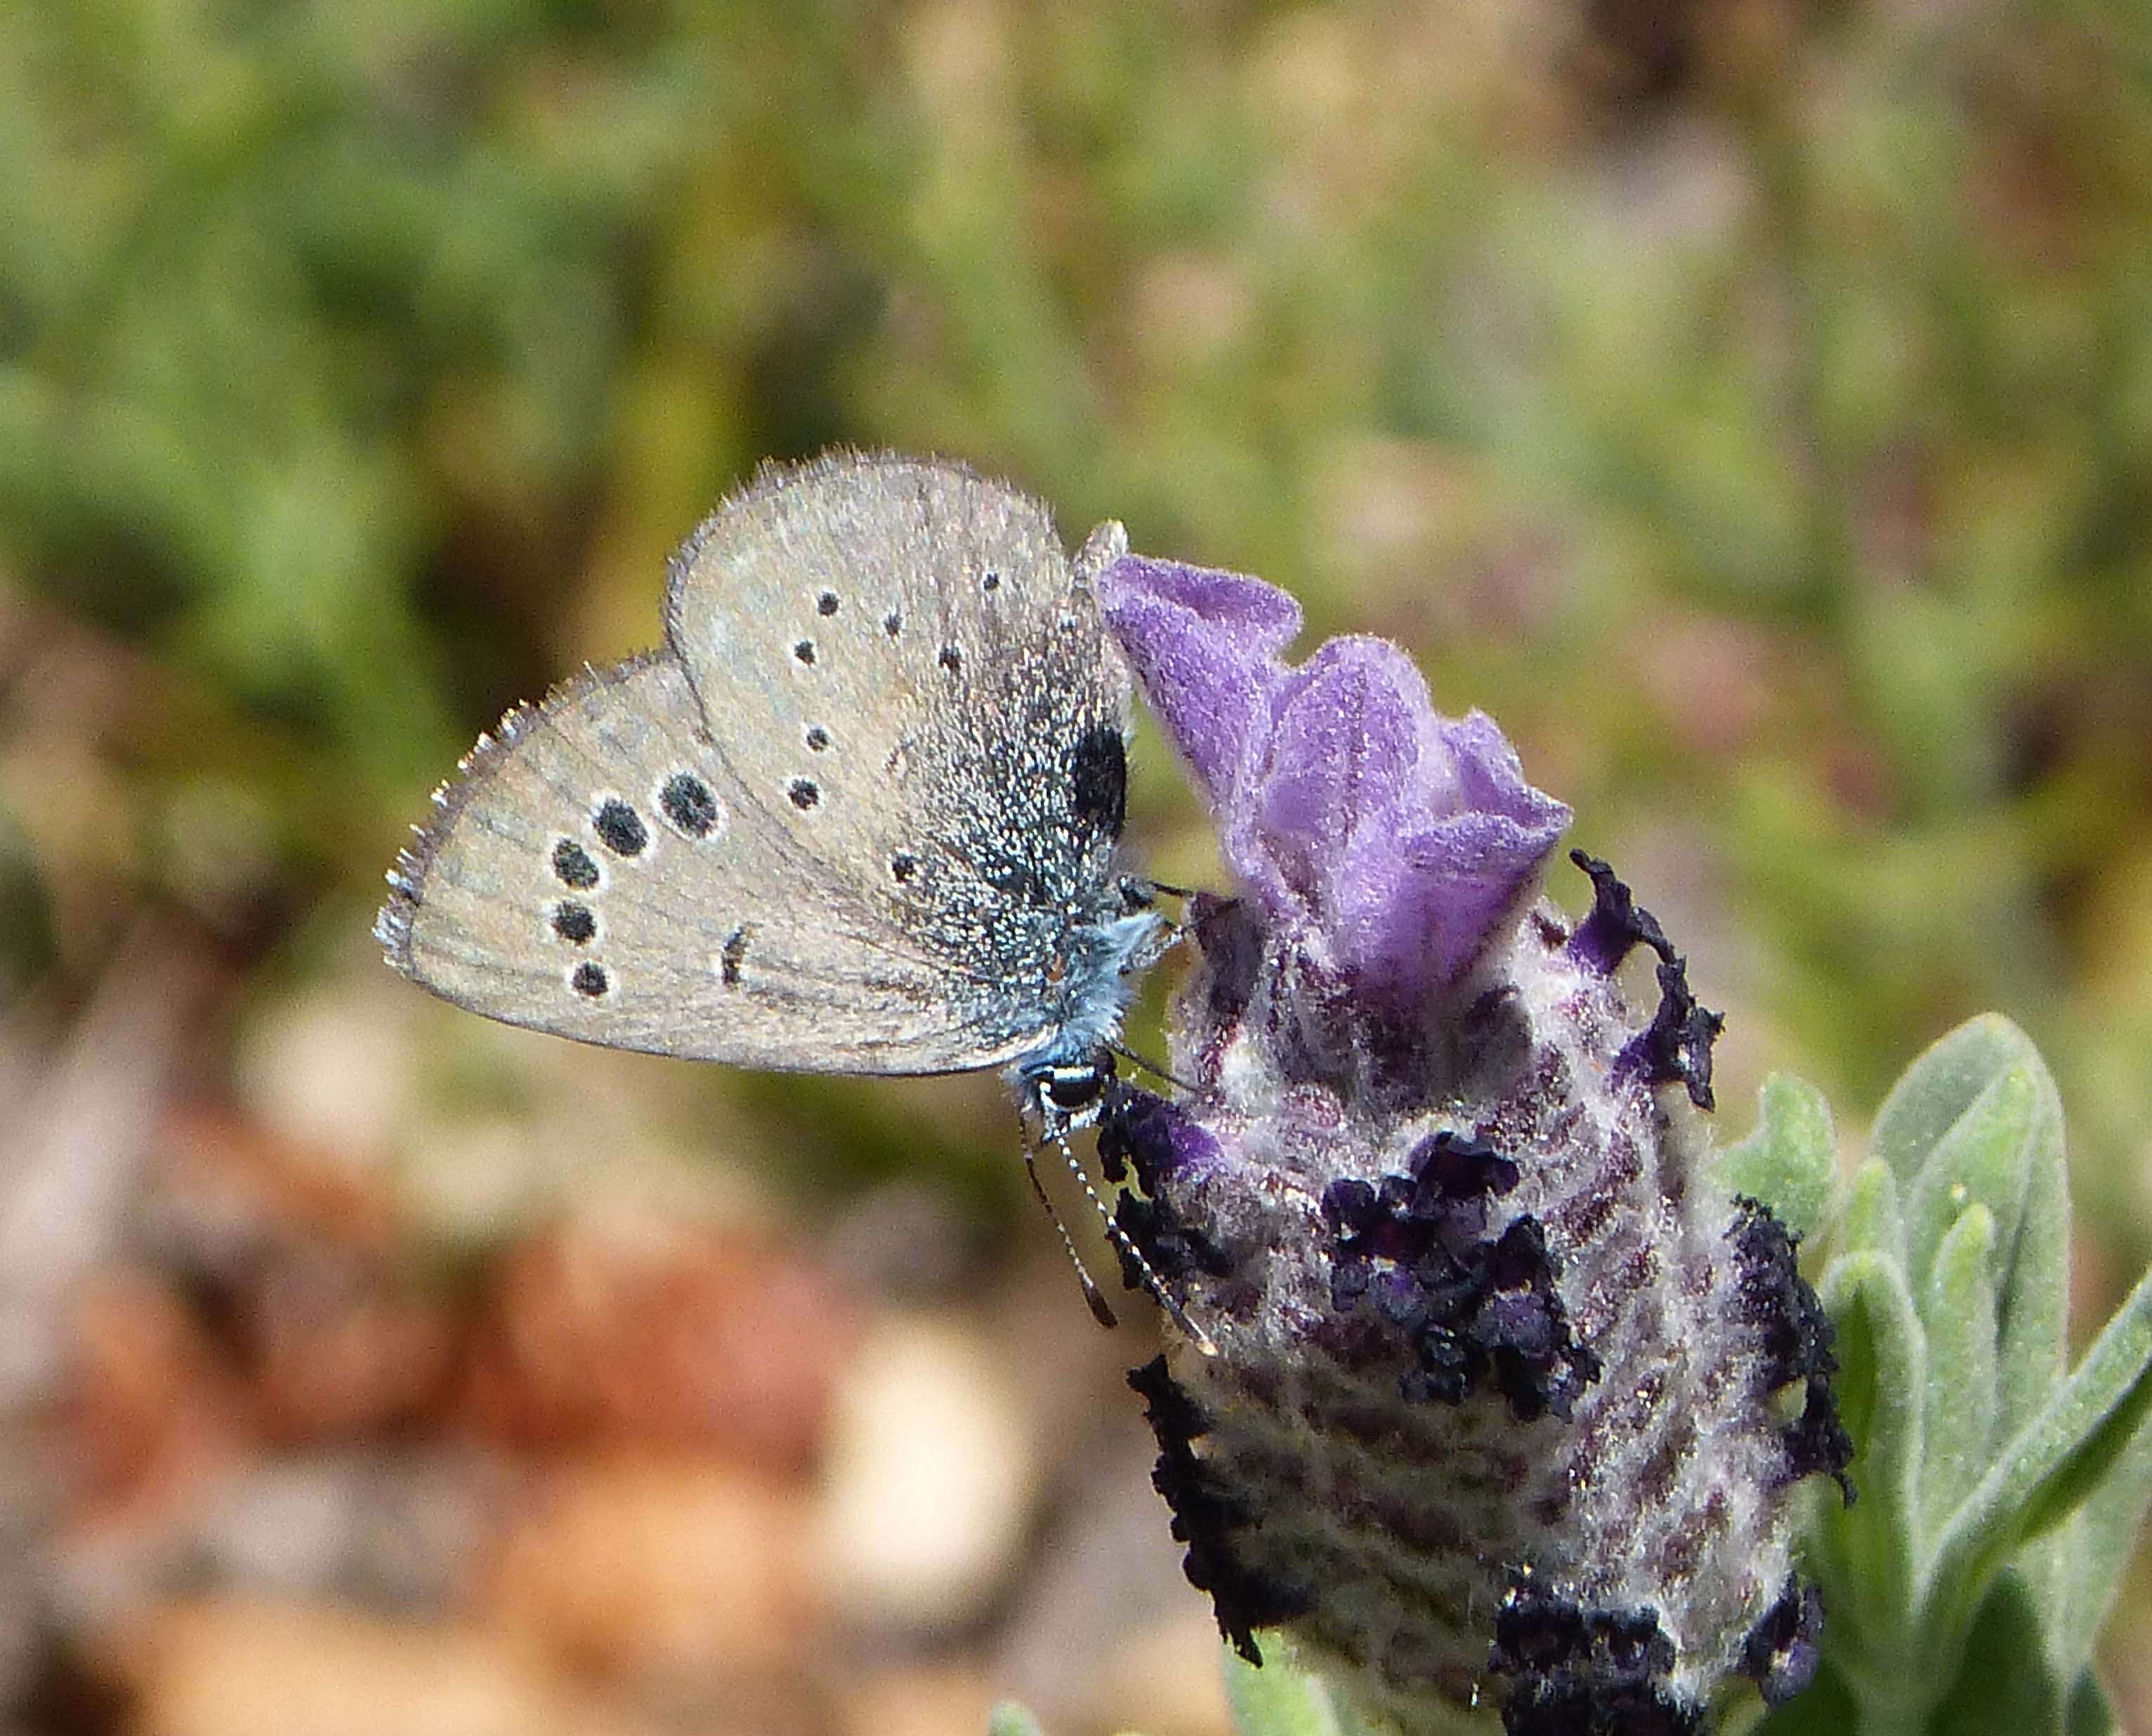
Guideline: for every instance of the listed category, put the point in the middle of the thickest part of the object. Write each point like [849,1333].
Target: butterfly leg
[1059,1135]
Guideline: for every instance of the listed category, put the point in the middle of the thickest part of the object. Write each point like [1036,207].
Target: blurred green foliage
[1750,403]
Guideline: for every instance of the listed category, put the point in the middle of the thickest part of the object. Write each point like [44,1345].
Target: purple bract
[1389,840]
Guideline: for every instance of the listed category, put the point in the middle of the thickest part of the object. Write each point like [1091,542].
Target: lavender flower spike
[1509,1398]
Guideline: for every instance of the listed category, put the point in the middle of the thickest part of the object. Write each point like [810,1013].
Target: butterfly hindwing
[599,869]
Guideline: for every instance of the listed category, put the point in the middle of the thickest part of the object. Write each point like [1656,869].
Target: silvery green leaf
[1871,1223]
[1790,1161]
[2085,1431]
[2088,1713]
[1825,1708]
[2033,1300]
[1957,1310]
[2088,1554]
[1277,1699]
[1977,1117]
[1009,1718]
[1882,1375]
[1982,1157]
[2003,1686]
[1940,1086]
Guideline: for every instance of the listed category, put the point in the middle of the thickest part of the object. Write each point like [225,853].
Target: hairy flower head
[1509,1399]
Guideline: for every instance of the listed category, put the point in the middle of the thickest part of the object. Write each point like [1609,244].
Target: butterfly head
[1066,1095]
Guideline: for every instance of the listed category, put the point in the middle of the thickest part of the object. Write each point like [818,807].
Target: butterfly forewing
[596,870]
[898,656]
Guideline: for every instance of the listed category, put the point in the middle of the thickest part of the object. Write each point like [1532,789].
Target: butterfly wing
[898,659]
[596,870]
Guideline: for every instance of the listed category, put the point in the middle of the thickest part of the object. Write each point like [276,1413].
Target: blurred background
[1747,402]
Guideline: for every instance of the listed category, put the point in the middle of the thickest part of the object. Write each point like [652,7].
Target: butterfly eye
[1076,1087]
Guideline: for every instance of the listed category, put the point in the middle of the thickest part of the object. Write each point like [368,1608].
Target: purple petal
[1427,900]
[1341,748]
[1357,816]
[1204,646]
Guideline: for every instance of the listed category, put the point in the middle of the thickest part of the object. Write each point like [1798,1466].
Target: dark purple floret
[1675,1048]
[1351,1204]
[1677,1044]
[1473,1310]
[1798,1335]
[1618,922]
[1572,1670]
[1177,1250]
[1797,1341]
[1458,1171]
[1816,1441]
[1142,1130]
[1206,1518]
[1783,1650]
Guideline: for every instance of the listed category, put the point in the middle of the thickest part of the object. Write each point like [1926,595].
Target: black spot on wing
[589,979]
[1099,780]
[689,805]
[574,922]
[574,866]
[620,828]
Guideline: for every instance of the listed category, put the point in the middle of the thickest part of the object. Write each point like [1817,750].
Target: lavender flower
[1502,1405]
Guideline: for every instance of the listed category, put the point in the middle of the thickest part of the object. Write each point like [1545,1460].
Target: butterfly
[859,813]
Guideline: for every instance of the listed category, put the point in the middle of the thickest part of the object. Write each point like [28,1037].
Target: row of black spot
[805,793]
[687,803]
[950,656]
[829,602]
[685,799]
